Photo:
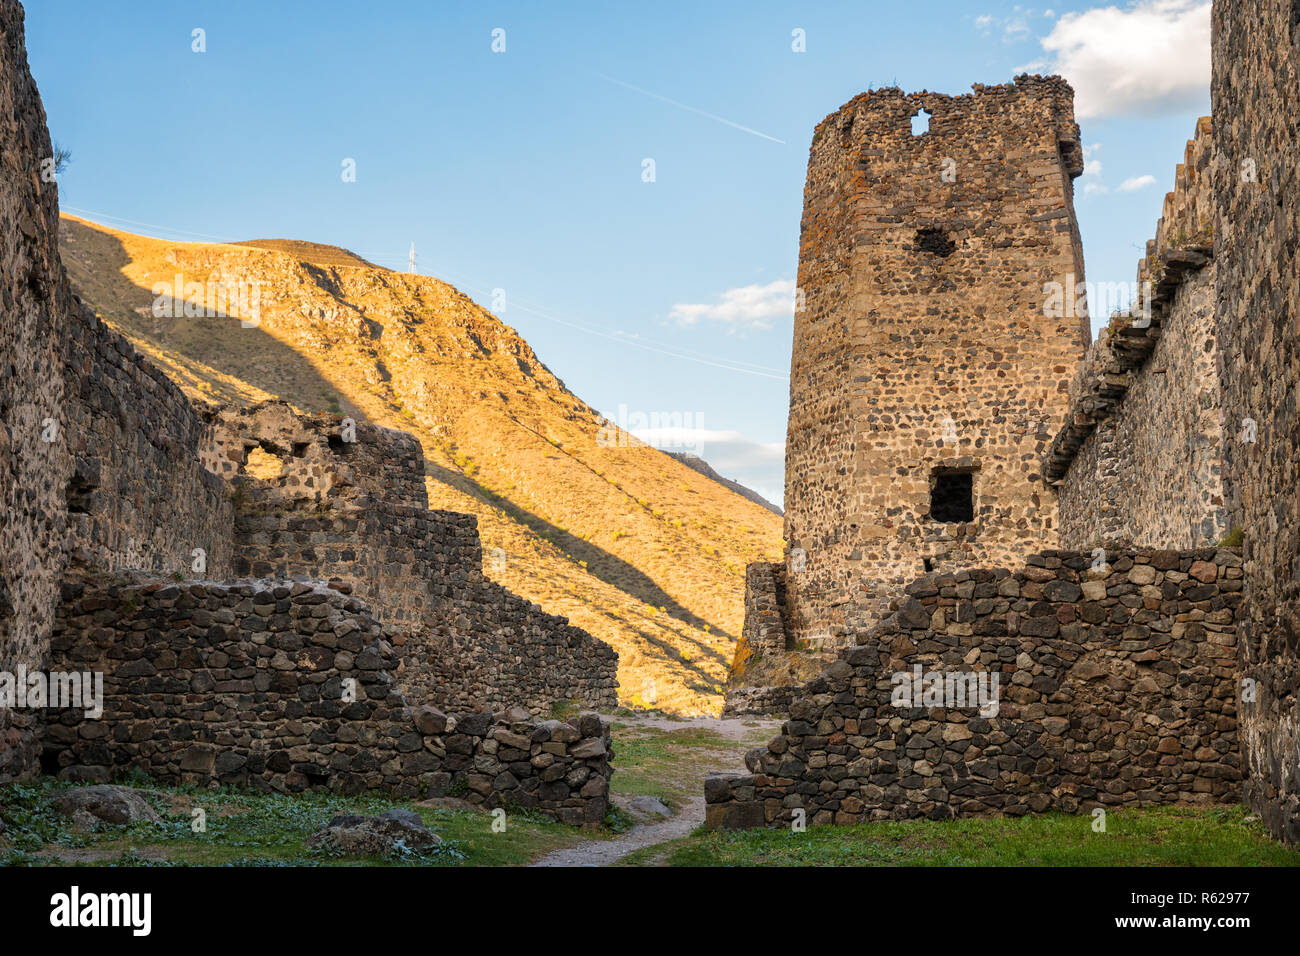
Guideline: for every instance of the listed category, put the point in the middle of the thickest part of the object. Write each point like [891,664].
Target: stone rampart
[1060,686]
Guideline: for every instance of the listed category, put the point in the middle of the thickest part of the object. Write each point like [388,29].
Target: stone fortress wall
[1117,686]
[1139,462]
[286,686]
[1256,96]
[33,471]
[924,356]
[754,685]
[99,469]
[109,473]
[138,496]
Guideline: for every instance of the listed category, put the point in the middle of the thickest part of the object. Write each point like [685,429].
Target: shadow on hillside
[613,570]
[705,682]
[610,569]
[95,261]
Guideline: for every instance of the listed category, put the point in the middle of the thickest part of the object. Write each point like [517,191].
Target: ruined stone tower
[927,376]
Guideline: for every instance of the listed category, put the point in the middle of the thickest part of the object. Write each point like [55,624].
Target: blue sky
[524,170]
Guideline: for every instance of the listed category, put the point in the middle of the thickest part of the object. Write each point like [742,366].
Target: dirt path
[605,852]
[686,780]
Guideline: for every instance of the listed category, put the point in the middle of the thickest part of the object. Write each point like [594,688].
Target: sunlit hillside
[639,549]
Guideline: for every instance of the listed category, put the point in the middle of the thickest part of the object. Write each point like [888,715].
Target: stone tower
[930,363]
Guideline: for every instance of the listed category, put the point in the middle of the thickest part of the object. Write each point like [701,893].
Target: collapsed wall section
[1256,95]
[767,668]
[1139,461]
[316,498]
[1115,686]
[287,686]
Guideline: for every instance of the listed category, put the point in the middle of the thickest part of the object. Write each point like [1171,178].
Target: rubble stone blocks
[1139,461]
[1256,93]
[924,348]
[288,686]
[1117,687]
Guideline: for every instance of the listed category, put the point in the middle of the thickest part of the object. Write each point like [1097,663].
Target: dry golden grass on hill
[626,542]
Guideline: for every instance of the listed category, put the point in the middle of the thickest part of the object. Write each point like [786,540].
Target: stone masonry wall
[287,686]
[138,496]
[495,649]
[1256,96]
[764,630]
[466,642]
[1117,687]
[762,641]
[1139,460]
[355,511]
[925,347]
[34,298]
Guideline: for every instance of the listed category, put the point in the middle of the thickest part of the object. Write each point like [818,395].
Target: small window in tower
[920,122]
[936,241]
[952,496]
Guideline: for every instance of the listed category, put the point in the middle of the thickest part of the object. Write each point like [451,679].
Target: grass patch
[1233,539]
[669,765]
[1163,836]
[251,828]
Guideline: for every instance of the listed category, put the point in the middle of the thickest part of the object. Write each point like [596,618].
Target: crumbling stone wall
[1117,687]
[764,630]
[34,298]
[356,511]
[287,686]
[492,648]
[1256,95]
[321,459]
[1139,460]
[924,347]
[757,682]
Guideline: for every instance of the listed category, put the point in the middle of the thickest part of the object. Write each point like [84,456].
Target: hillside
[637,548]
[707,470]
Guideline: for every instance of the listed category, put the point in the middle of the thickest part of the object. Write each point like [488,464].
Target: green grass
[249,828]
[666,764]
[1165,836]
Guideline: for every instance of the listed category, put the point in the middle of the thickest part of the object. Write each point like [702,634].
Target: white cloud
[748,307]
[756,465]
[1013,29]
[1135,183]
[1151,58]
[1091,178]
